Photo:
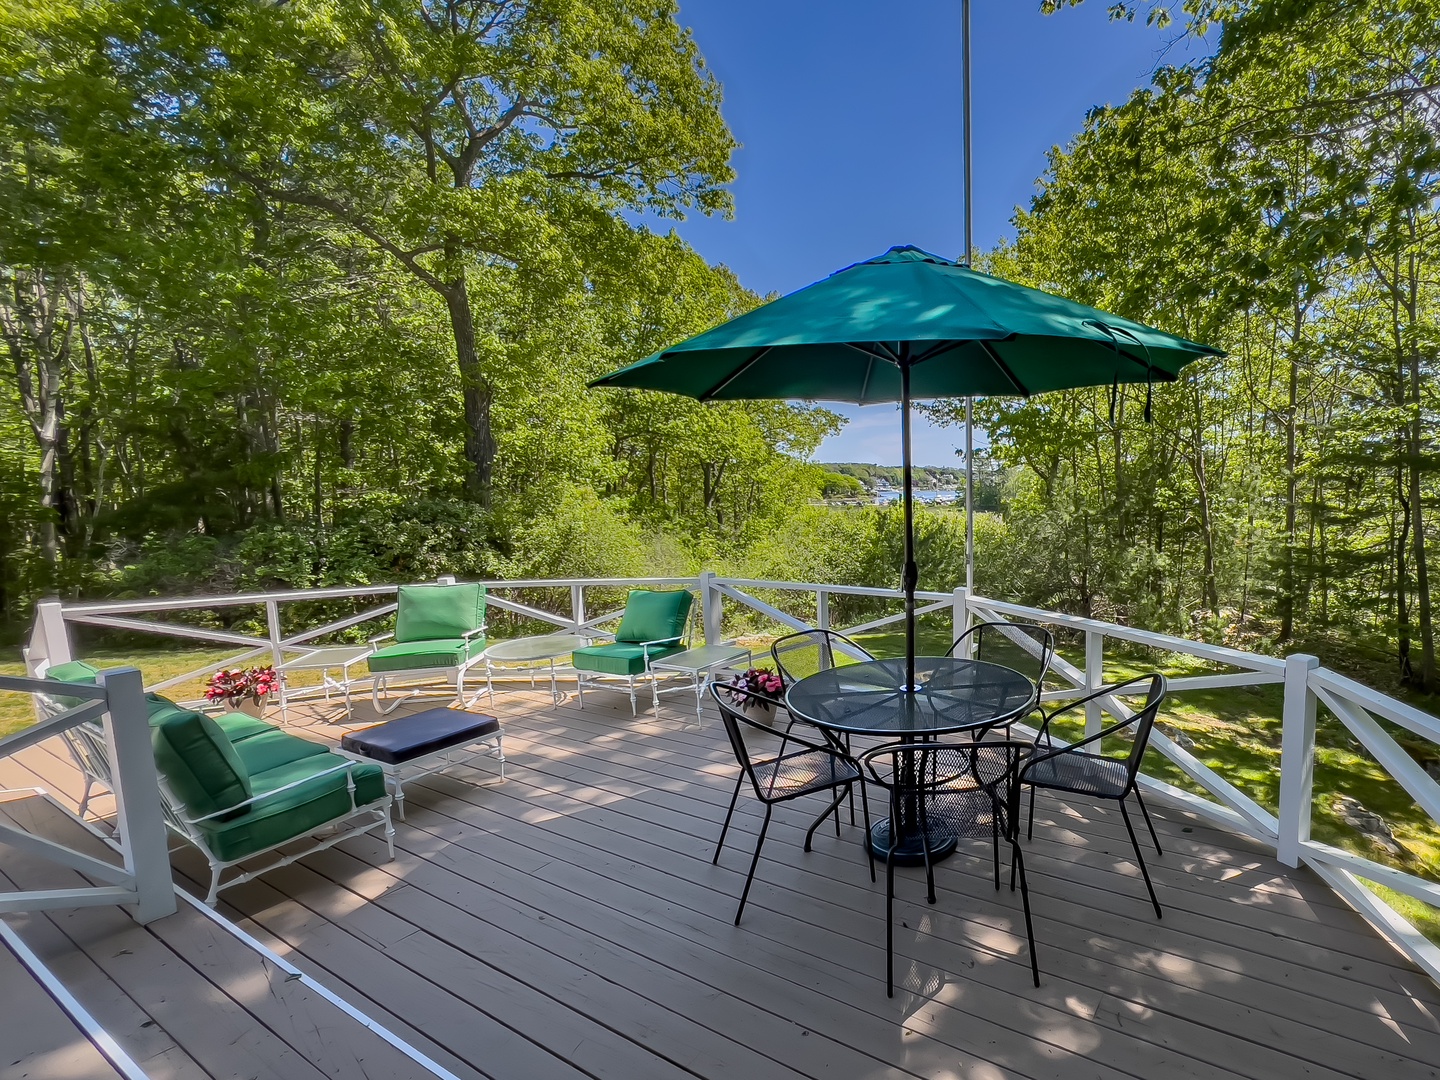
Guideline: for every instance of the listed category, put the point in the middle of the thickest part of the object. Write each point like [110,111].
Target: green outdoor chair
[439,633]
[655,625]
[234,786]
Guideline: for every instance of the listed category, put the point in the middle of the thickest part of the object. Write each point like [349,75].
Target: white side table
[528,652]
[704,661]
[339,658]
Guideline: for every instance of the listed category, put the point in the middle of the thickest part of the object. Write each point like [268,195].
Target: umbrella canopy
[964,334]
[904,325]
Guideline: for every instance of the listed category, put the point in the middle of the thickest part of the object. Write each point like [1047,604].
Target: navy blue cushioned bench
[425,742]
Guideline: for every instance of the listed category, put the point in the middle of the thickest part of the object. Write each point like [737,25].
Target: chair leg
[995,842]
[890,911]
[852,790]
[728,814]
[1030,829]
[833,808]
[389,833]
[1134,843]
[929,863]
[1148,823]
[1017,859]
[754,862]
[865,810]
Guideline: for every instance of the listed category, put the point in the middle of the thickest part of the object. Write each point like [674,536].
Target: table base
[911,850]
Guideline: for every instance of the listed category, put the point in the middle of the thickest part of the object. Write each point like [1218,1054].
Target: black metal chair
[807,652]
[1026,647]
[816,765]
[1080,771]
[968,790]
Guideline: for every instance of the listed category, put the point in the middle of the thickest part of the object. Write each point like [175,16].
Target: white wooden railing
[142,880]
[1307,686]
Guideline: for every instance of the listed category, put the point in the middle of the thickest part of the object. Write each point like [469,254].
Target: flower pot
[251,705]
[763,712]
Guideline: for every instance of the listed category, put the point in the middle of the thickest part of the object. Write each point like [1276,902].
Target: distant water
[943,495]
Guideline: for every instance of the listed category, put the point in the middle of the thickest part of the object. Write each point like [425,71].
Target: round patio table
[952,695]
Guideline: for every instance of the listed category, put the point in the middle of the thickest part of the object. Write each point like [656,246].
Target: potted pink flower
[244,690]
[761,681]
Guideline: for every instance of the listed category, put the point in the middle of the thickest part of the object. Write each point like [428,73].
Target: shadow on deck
[568,923]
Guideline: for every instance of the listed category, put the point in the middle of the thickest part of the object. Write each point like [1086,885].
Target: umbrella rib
[877,351]
[1004,368]
[741,370]
[865,386]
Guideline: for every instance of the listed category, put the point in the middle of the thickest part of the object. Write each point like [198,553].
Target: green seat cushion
[620,658]
[440,653]
[239,726]
[433,612]
[198,762]
[286,815]
[654,616]
[265,750]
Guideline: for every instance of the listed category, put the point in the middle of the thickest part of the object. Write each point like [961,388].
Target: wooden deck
[568,923]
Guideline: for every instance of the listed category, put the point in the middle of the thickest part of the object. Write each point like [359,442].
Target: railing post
[272,623]
[577,605]
[960,615]
[710,611]
[53,635]
[1297,758]
[1094,678]
[822,609]
[139,822]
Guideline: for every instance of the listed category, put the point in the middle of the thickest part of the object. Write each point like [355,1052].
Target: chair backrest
[1026,647]
[735,721]
[933,766]
[1144,720]
[655,616]
[438,612]
[1140,722]
[808,651]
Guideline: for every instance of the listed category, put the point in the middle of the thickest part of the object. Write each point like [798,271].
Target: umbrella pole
[911,572]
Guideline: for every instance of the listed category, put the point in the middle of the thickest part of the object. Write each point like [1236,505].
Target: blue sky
[848,115]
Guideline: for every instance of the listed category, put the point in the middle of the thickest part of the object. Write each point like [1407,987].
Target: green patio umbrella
[908,325]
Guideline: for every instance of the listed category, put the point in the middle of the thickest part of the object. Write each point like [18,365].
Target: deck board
[568,923]
[38,1041]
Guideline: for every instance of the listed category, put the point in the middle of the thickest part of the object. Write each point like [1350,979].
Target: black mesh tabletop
[952,694]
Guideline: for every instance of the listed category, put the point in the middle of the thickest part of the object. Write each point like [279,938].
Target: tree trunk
[478,393]
[1425,673]
[36,319]
[1287,573]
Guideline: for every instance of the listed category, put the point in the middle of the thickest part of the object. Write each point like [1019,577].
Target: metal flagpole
[969,245]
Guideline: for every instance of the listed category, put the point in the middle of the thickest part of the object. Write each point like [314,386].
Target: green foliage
[279,282]
[1280,199]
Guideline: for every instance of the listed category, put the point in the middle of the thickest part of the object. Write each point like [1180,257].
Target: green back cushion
[76,671]
[199,762]
[654,616]
[430,612]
